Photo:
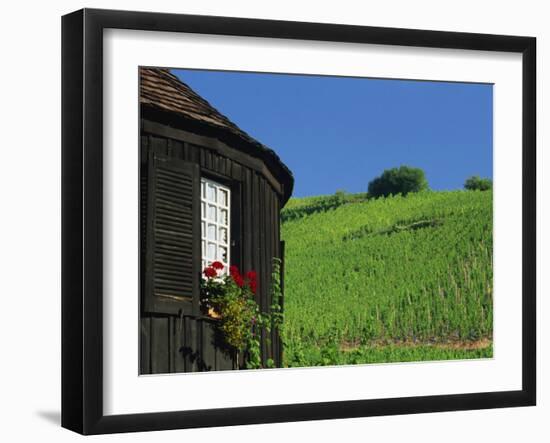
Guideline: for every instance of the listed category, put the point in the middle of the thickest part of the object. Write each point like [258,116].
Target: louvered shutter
[173,237]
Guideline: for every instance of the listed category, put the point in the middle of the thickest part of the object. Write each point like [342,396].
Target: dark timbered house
[209,192]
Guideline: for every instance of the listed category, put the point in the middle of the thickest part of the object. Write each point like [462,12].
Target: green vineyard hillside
[390,279]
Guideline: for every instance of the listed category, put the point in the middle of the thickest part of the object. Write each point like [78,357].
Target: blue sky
[340,133]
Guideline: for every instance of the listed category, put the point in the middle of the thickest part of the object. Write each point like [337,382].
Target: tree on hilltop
[400,180]
[475,183]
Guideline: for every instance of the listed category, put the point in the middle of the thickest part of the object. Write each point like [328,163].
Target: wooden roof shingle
[161,90]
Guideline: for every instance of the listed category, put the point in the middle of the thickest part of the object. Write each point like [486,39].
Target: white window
[215,223]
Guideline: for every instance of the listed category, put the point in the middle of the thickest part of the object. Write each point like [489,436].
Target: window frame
[205,260]
[235,219]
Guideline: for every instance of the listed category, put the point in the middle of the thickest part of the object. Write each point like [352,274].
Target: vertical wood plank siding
[172,343]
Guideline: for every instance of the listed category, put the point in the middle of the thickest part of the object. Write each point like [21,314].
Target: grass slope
[394,279]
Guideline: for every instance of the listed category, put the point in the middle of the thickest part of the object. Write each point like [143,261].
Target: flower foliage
[230,300]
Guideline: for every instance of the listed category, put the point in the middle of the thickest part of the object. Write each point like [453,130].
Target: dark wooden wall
[185,344]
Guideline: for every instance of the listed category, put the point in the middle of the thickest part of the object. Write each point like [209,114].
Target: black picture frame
[82,215]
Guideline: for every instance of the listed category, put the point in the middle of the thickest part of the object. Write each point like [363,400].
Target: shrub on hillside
[400,180]
[475,183]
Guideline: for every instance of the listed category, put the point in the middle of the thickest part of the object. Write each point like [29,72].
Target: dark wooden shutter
[172,268]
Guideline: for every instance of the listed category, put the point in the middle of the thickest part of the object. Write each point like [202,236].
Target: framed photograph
[269,221]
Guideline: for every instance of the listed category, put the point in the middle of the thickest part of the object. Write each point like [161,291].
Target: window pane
[211,212]
[211,192]
[203,189]
[211,231]
[222,253]
[222,235]
[203,210]
[222,197]
[203,248]
[203,229]
[223,217]
[211,254]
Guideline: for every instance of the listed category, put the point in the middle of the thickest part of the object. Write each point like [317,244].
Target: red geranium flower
[210,272]
[233,270]
[239,281]
[251,275]
[253,286]
[217,265]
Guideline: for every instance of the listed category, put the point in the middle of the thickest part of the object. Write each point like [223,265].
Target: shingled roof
[162,90]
